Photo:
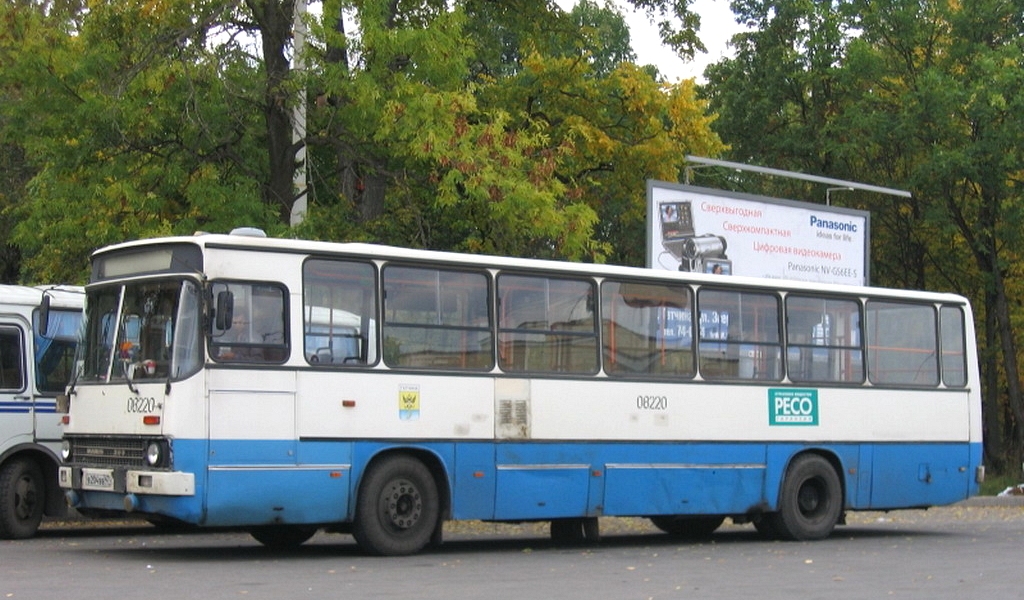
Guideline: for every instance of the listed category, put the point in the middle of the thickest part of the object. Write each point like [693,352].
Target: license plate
[98,479]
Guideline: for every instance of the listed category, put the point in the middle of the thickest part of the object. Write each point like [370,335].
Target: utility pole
[299,115]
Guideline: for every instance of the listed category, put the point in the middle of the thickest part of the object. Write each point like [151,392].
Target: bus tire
[689,527]
[811,501]
[397,508]
[765,526]
[283,537]
[22,499]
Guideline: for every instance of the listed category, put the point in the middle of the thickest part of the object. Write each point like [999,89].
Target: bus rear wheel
[811,501]
[22,496]
[397,509]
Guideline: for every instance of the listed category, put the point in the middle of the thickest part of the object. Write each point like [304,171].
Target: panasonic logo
[833,225]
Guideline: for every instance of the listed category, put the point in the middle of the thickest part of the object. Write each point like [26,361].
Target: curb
[1015,500]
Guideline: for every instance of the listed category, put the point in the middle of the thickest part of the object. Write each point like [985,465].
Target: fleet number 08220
[652,402]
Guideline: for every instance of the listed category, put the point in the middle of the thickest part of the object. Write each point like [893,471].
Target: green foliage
[508,128]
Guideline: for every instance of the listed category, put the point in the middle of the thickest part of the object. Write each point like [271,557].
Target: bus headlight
[65,450]
[154,454]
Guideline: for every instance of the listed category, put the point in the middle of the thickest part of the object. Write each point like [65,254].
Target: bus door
[534,480]
[16,414]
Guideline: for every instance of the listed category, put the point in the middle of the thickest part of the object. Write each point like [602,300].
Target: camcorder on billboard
[713,231]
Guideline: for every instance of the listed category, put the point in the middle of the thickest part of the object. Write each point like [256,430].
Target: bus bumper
[160,483]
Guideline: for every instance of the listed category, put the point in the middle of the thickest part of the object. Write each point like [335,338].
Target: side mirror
[225,311]
[44,315]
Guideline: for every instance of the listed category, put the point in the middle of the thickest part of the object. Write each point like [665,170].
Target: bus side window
[547,324]
[258,331]
[339,321]
[954,352]
[824,339]
[648,329]
[437,319]
[12,373]
[739,335]
[902,343]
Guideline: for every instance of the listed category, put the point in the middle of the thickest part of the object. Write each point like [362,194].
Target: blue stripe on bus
[26,407]
[15,407]
[540,480]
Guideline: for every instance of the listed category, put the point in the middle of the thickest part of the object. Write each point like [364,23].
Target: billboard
[713,231]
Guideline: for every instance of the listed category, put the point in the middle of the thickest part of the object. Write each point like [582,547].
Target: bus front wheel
[811,501]
[22,496]
[397,508]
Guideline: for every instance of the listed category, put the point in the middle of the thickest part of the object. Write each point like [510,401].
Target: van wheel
[397,509]
[22,496]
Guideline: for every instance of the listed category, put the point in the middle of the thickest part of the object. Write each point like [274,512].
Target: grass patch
[994,484]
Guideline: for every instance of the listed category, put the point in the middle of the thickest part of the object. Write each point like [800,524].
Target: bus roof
[384,252]
[62,296]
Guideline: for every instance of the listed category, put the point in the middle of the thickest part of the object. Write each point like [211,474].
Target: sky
[717,26]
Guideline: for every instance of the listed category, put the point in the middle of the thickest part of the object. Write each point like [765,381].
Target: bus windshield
[141,330]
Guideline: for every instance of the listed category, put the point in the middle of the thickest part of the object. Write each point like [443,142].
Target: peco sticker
[787,406]
[408,402]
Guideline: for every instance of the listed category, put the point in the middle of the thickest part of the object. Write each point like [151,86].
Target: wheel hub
[403,503]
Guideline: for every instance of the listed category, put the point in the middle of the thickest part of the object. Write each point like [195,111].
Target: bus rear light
[65,420]
[348,403]
[151,420]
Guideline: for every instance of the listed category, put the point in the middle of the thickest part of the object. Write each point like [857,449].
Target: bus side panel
[542,480]
[907,475]
[474,480]
[676,479]
[272,496]
[260,481]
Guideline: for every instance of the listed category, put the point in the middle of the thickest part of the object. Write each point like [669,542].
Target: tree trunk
[995,446]
[275,19]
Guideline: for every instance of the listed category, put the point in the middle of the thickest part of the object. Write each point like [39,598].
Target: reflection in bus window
[823,339]
[648,329]
[546,325]
[739,335]
[338,313]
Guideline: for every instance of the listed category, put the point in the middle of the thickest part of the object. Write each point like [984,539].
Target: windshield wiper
[128,372]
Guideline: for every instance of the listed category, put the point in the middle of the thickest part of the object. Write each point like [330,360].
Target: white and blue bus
[285,386]
[38,333]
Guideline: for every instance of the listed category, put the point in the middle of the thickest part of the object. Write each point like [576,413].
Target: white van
[36,361]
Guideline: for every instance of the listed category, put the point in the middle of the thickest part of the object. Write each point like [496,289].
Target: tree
[491,143]
[148,118]
[127,122]
[923,97]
